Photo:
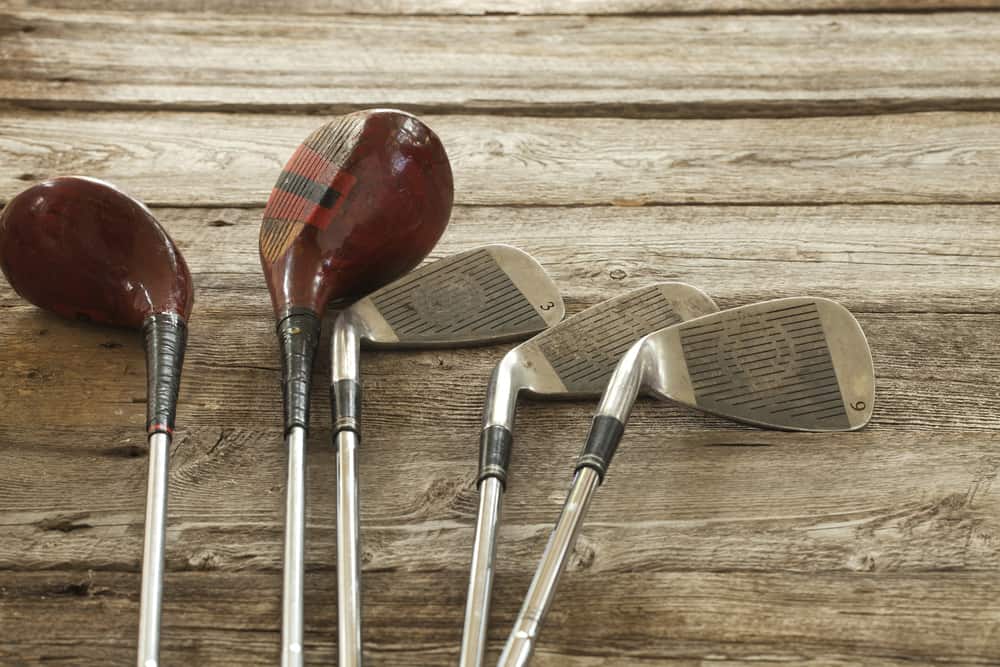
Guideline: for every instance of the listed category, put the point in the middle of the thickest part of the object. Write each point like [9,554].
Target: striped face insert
[491,293]
[799,363]
[584,350]
[313,185]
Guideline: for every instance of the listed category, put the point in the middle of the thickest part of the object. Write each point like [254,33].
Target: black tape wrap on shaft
[605,434]
[298,334]
[494,453]
[164,337]
[345,398]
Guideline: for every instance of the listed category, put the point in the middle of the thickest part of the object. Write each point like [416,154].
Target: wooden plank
[652,66]
[516,7]
[666,617]
[233,159]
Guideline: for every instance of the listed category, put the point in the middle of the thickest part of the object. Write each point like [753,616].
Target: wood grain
[653,66]
[804,619]
[233,159]
[515,7]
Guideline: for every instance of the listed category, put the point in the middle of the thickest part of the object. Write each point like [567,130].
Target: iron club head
[575,358]
[486,295]
[800,364]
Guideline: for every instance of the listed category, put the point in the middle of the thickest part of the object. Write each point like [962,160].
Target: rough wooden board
[638,66]
[233,159]
[808,619]
[520,7]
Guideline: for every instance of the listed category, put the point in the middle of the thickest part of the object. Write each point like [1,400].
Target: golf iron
[361,201]
[486,295]
[799,364]
[85,250]
[573,359]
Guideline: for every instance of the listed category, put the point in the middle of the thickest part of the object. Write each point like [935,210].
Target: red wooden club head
[83,249]
[363,200]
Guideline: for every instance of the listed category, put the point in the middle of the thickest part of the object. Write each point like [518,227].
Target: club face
[361,201]
[575,358]
[84,249]
[485,295]
[798,364]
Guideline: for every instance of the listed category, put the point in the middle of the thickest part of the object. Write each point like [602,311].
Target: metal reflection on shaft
[294,572]
[152,551]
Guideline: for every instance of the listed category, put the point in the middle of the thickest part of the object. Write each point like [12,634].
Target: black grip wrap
[164,337]
[345,401]
[298,333]
[605,434]
[494,453]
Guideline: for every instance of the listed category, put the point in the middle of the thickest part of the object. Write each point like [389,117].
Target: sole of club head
[798,364]
[487,295]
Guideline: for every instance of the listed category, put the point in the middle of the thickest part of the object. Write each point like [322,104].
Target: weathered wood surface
[231,159]
[619,151]
[516,7]
[653,66]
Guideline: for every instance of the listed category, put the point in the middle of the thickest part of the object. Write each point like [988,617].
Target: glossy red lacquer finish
[363,200]
[85,250]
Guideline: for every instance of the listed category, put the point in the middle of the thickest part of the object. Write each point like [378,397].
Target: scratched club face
[363,200]
[798,363]
[484,295]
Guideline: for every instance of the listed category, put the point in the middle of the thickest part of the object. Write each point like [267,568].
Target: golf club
[85,250]
[573,359]
[486,295]
[361,201]
[800,364]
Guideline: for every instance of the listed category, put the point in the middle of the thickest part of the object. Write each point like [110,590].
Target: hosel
[164,337]
[298,334]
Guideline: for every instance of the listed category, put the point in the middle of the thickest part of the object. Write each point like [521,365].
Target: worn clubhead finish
[486,295]
[572,359]
[85,250]
[799,364]
[362,200]
[482,296]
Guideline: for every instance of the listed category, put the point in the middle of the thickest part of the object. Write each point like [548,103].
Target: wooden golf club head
[83,249]
[363,200]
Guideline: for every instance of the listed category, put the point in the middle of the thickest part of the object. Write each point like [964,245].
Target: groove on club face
[312,186]
[584,350]
[483,295]
[800,363]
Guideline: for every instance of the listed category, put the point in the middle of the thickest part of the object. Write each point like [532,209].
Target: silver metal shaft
[348,552]
[477,599]
[523,637]
[292,607]
[152,552]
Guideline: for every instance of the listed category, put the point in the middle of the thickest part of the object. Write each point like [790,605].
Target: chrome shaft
[292,607]
[348,552]
[477,599]
[151,596]
[523,637]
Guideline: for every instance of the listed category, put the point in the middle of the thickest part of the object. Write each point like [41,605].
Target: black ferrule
[494,453]
[298,333]
[164,337]
[345,401]
[605,434]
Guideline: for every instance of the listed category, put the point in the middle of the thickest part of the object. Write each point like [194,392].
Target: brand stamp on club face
[758,352]
[446,298]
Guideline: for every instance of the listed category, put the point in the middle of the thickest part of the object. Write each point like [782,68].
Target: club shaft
[294,567]
[348,552]
[152,551]
[524,635]
[477,599]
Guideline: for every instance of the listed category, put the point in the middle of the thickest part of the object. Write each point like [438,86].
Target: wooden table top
[838,148]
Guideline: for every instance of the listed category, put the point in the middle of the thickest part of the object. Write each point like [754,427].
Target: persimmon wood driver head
[361,201]
[85,250]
